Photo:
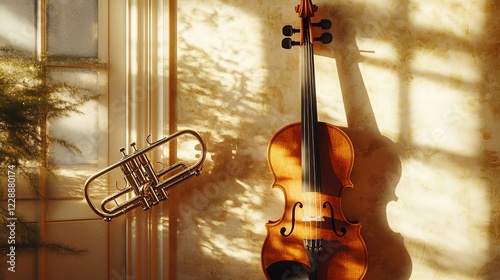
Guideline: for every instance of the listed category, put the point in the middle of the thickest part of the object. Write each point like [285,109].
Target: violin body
[342,257]
[311,163]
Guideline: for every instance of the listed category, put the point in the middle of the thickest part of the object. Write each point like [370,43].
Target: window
[122,51]
[72,28]
[68,41]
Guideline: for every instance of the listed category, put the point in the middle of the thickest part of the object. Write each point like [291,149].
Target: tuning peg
[325,38]
[324,24]
[287,43]
[288,30]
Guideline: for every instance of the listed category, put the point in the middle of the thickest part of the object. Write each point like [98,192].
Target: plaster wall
[414,83]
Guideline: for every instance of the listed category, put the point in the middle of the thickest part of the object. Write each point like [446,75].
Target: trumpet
[144,187]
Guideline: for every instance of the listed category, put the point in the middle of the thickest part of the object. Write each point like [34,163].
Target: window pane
[72,28]
[17,30]
[80,130]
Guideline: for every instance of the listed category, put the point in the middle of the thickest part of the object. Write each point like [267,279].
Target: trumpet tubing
[145,187]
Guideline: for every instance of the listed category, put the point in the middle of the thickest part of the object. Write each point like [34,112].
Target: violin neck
[309,117]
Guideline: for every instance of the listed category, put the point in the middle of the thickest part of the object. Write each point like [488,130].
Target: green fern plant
[28,101]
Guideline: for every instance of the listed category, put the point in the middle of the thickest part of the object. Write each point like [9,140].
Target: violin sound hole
[283,229]
[332,213]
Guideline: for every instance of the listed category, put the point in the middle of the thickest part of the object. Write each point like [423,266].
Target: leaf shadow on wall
[377,166]
[213,226]
[216,235]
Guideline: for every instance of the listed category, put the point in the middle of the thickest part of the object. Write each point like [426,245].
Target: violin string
[305,180]
[308,129]
[314,135]
[311,120]
[311,142]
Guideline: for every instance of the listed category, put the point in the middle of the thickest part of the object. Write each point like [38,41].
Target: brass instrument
[144,186]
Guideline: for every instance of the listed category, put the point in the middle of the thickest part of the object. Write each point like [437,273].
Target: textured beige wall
[417,84]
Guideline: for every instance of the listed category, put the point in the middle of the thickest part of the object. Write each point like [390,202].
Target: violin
[311,163]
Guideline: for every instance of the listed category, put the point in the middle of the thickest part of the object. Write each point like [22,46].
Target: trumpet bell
[144,186]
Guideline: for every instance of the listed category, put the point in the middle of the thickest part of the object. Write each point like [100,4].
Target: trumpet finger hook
[116,185]
[148,141]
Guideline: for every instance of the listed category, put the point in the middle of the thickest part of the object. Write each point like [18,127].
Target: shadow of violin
[377,166]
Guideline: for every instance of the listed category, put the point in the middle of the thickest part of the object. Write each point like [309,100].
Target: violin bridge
[313,219]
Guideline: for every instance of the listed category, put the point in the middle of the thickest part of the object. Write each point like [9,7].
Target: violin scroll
[306,9]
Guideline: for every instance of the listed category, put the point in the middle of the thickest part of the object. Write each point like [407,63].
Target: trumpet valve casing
[144,186]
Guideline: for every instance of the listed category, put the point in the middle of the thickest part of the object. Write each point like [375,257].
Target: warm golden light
[422,71]
[442,18]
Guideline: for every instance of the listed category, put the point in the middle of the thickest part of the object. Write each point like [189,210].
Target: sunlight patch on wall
[329,95]
[222,81]
[228,82]
[441,17]
[445,104]
[458,68]
[233,248]
[384,89]
[237,214]
[441,152]
[449,243]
